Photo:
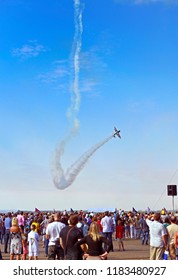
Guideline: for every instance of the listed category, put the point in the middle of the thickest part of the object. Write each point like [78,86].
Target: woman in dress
[94,243]
[15,240]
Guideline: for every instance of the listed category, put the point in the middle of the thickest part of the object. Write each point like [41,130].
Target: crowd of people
[84,236]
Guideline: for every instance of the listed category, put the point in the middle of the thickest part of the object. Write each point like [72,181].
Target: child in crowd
[33,239]
[120,234]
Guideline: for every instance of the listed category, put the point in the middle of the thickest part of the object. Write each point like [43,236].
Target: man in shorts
[158,236]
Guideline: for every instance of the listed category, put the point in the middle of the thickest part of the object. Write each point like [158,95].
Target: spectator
[37,224]
[24,236]
[68,237]
[172,229]
[53,234]
[1,228]
[15,240]
[166,221]
[107,225]
[120,234]
[7,226]
[20,219]
[145,230]
[133,233]
[158,237]
[33,239]
[85,227]
[176,244]
[94,241]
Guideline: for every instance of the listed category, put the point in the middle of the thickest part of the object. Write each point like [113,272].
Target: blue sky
[125,75]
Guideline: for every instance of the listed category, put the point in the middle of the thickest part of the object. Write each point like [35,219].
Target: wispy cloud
[92,61]
[88,85]
[59,70]
[32,49]
[141,2]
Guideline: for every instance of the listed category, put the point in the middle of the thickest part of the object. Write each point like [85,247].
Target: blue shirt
[7,223]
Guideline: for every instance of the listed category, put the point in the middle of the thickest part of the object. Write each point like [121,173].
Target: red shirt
[100,226]
[119,231]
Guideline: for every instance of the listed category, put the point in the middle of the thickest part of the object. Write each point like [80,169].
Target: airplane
[117,132]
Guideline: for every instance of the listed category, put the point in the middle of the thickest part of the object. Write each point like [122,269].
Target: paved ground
[133,251]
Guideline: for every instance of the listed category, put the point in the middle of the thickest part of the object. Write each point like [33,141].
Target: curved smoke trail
[62,181]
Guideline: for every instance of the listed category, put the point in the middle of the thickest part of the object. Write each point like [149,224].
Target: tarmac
[134,250]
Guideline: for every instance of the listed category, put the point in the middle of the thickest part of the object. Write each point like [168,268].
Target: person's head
[73,220]
[107,213]
[119,223]
[166,220]
[157,217]
[173,219]
[94,231]
[14,221]
[33,227]
[57,217]
[9,215]
[51,219]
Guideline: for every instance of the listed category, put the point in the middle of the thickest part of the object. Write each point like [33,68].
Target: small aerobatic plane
[117,132]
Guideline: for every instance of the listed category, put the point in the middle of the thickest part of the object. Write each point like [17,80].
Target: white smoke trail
[57,170]
[77,44]
[62,181]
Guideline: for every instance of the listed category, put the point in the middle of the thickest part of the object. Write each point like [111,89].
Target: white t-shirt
[107,224]
[53,230]
[157,230]
[33,239]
